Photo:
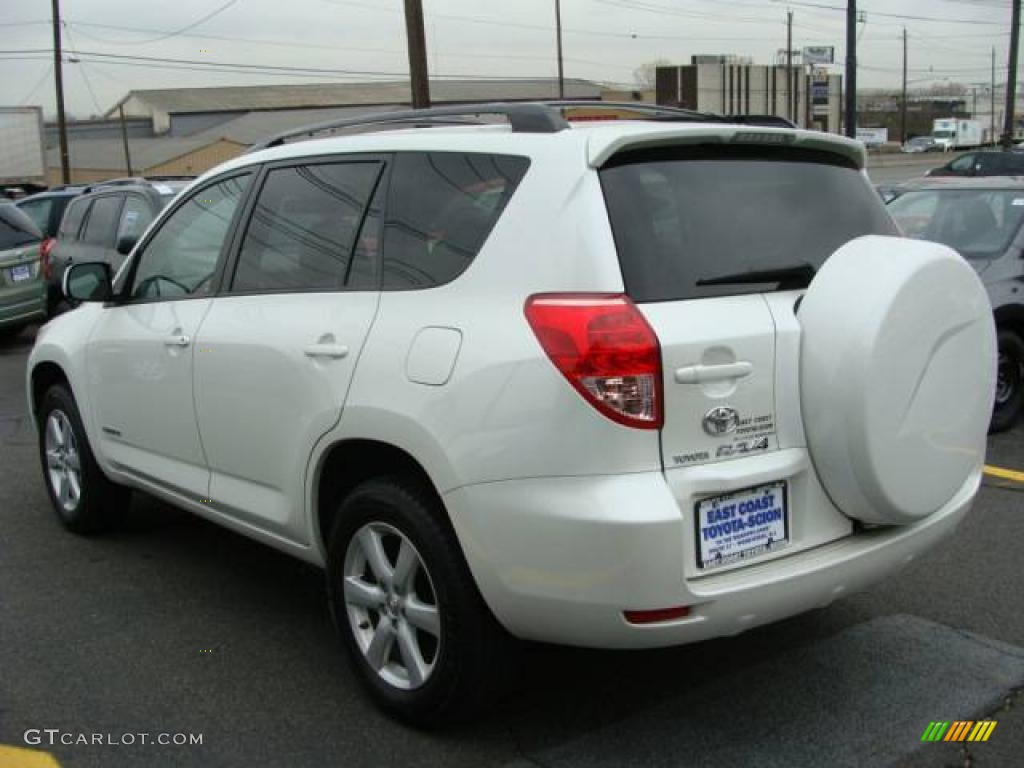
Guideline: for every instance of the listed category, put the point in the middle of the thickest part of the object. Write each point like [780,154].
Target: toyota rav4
[622,385]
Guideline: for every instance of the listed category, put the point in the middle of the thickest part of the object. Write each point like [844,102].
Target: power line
[903,16]
[193,25]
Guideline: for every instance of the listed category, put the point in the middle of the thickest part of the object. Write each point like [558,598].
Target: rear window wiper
[793,276]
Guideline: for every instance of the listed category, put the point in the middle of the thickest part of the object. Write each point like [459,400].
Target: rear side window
[72,221]
[135,217]
[303,228]
[99,229]
[688,215]
[39,212]
[441,208]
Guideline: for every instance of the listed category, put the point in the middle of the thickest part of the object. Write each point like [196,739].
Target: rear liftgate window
[682,216]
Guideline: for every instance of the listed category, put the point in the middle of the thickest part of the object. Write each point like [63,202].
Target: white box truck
[22,152]
[957,133]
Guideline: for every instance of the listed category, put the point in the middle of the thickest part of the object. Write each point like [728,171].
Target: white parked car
[620,384]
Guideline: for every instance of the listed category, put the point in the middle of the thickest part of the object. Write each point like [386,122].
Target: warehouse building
[186,131]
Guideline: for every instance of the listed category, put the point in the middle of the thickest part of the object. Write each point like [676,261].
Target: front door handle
[332,351]
[698,374]
[177,340]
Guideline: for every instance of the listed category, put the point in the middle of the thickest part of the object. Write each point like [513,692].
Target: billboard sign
[819,54]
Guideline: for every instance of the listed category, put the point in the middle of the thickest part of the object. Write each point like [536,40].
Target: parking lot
[174,626]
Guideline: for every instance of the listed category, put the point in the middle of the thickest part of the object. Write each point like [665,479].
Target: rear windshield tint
[684,215]
[16,228]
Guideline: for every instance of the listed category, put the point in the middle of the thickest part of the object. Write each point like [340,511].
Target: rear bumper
[22,305]
[559,559]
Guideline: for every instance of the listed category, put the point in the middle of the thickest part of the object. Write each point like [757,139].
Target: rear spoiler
[602,144]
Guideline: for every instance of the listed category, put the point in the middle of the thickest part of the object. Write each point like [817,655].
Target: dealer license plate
[20,272]
[742,525]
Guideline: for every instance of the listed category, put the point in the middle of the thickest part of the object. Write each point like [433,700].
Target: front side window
[441,208]
[99,229]
[303,228]
[180,260]
[962,164]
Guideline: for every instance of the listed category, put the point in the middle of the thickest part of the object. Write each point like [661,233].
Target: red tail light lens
[607,351]
[44,257]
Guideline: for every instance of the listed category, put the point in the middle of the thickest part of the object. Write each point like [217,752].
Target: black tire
[100,502]
[10,333]
[467,665]
[1010,389]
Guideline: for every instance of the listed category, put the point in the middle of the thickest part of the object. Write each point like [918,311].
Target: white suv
[622,384]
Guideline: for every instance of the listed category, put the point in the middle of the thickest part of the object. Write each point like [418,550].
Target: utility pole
[791,103]
[124,138]
[992,100]
[851,68]
[1011,76]
[417,44]
[62,126]
[558,30]
[903,102]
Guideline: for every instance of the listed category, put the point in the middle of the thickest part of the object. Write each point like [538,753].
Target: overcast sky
[604,40]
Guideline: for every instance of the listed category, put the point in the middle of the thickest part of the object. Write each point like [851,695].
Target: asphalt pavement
[174,626]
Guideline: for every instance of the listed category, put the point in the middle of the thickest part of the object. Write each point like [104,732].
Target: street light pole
[62,126]
[851,68]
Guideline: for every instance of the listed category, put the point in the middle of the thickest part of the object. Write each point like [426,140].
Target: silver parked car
[982,219]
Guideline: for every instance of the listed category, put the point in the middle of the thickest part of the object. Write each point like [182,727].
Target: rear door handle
[178,340]
[698,374]
[333,351]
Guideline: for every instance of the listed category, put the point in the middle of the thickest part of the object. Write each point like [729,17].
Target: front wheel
[83,497]
[416,629]
[1009,400]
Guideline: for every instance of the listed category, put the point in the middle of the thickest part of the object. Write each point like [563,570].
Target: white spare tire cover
[897,374]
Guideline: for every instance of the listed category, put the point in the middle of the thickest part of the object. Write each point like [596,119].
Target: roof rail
[522,117]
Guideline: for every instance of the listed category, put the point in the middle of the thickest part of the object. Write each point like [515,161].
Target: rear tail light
[607,351]
[44,257]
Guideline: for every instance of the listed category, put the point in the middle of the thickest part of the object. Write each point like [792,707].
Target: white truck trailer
[22,152]
[957,133]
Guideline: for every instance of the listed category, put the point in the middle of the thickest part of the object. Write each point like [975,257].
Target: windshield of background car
[687,214]
[944,134]
[16,229]
[979,223]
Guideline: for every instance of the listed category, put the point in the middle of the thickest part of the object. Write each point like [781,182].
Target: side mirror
[125,243]
[88,281]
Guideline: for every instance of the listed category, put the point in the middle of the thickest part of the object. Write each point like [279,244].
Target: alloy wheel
[63,461]
[392,607]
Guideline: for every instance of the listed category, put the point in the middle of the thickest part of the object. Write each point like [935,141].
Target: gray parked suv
[981,218]
[103,224]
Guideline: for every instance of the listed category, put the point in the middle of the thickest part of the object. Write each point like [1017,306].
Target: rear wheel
[1009,383]
[83,497]
[417,631]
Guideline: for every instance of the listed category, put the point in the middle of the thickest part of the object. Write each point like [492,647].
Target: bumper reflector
[657,615]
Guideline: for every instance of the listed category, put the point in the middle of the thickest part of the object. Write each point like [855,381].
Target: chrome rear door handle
[698,374]
[333,351]
[180,340]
